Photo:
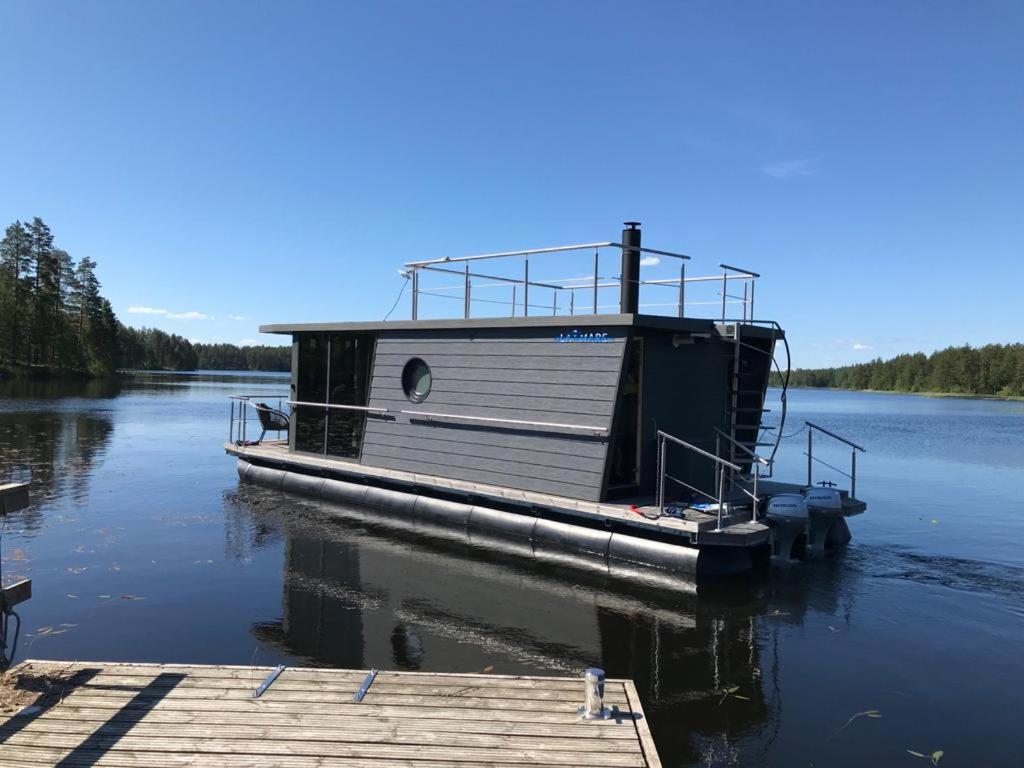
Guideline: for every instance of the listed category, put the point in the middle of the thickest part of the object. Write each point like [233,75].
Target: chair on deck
[271,419]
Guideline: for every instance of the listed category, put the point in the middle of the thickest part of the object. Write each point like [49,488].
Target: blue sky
[278,162]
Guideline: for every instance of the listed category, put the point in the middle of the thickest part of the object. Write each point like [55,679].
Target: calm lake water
[142,545]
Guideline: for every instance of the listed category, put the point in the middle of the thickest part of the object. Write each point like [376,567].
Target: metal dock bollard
[593,707]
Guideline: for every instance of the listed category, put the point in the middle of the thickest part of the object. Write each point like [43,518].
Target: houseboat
[553,417]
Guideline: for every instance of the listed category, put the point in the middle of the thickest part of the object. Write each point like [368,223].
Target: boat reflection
[357,595]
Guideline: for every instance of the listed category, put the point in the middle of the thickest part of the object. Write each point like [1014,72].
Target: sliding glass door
[333,369]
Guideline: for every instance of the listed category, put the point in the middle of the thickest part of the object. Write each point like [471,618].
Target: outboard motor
[823,499]
[827,524]
[789,519]
[787,507]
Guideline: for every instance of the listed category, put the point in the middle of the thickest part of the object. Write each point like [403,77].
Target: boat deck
[117,714]
[640,514]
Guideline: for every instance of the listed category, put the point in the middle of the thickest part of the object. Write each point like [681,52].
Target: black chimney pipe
[629,304]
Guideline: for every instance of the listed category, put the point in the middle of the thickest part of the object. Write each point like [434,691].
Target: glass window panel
[351,356]
[311,380]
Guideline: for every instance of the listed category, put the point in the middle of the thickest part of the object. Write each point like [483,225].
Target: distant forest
[995,370]
[53,319]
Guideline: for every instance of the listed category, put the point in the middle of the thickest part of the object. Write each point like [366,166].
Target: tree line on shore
[995,370]
[54,319]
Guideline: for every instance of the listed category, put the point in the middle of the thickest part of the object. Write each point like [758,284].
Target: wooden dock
[114,714]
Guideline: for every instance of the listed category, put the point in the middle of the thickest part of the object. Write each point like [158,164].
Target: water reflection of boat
[358,595]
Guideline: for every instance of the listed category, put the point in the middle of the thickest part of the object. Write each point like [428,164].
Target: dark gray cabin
[567,406]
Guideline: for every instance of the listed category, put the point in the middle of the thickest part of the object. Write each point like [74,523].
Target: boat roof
[660,322]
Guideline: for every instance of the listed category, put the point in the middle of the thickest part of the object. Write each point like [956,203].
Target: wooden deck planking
[176,715]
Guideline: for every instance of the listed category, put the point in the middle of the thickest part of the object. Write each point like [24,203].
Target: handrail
[811,458]
[238,421]
[340,407]
[840,438]
[534,251]
[742,447]
[460,266]
[694,448]
[720,466]
[431,415]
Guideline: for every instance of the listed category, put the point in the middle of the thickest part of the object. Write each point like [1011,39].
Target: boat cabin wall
[686,388]
[527,408]
[547,409]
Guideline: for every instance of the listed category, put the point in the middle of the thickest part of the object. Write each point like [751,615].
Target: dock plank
[131,715]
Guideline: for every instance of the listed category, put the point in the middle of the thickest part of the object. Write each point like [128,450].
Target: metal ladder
[740,451]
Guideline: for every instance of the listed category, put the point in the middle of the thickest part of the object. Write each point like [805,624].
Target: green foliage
[52,316]
[995,370]
[228,357]
[54,319]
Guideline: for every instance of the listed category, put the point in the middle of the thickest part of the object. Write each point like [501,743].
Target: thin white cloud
[248,343]
[192,315]
[237,317]
[649,261]
[791,169]
[858,347]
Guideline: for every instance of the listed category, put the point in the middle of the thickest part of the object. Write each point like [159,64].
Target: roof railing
[572,295]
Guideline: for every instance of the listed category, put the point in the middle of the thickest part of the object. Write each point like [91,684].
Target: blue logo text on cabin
[577,336]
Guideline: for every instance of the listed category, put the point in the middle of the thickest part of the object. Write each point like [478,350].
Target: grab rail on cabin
[721,467]
[430,416]
[811,458]
[569,288]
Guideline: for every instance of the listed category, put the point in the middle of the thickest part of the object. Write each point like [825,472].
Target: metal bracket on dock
[365,686]
[266,683]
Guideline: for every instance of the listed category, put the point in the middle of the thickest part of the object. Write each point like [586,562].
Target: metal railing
[811,458]
[240,416]
[721,465]
[238,424]
[566,298]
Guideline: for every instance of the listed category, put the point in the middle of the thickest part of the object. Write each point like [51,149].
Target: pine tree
[45,292]
[15,293]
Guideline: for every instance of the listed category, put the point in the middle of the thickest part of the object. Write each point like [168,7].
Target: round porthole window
[416,380]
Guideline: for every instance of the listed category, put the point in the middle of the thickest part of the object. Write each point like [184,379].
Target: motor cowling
[823,498]
[787,506]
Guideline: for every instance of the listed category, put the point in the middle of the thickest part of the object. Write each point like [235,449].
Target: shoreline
[941,395]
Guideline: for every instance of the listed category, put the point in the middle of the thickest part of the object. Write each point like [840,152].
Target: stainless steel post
[572,302]
[661,475]
[231,424]
[810,453]
[526,287]
[465,293]
[513,300]
[744,301]
[682,285]
[721,494]
[415,293]
[597,258]
[554,303]
[757,474]
[245,418]
[725,290]
[752,284]
[853,473]
[593,706]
